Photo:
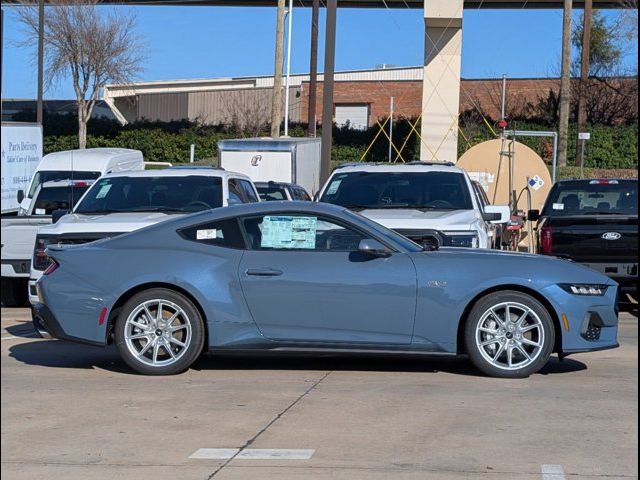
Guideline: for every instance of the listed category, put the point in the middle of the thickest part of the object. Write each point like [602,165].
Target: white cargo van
[86,164]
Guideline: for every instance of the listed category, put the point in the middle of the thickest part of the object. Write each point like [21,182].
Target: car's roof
[87,159]
[179,172]
[603,181]
[398,167]
[66,183]
[275,184]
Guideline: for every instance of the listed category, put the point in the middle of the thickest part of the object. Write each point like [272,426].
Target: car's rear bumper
[625,274]
[47,326]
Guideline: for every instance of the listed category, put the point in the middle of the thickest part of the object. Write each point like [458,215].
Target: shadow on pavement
[24,330]
[60,354]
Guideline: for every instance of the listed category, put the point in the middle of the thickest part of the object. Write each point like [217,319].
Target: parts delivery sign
[21,152]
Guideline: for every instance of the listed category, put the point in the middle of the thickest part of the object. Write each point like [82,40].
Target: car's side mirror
[533,215]
[496,213]
[373,248]
[58,214]
[20,196]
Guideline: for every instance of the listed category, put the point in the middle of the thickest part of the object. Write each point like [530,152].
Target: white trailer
[289,160]
[21,153]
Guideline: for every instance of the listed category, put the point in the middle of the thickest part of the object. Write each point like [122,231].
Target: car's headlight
[468,240]
[585,289]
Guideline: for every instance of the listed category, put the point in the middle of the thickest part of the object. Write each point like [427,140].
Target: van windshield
[42,176]
[179,194]
[417,190]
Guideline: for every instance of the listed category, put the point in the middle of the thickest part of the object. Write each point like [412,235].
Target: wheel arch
[503,288]
[117,306]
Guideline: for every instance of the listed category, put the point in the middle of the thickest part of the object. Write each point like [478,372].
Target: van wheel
[509,334]
[13,292]
[159,332]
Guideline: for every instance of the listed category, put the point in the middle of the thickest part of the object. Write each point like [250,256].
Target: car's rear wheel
[159,332]
[509,334]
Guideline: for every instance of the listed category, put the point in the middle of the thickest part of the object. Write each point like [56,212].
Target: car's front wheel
[509,334]
[159,332]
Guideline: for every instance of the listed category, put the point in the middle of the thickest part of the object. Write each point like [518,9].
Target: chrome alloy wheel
[157,332]
[510,336]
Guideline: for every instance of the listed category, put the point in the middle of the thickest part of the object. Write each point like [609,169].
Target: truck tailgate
[19,236]
[593,239]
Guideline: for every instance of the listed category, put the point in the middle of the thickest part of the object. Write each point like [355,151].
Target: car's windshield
[593,197]
[377,190]
[54,198]
[49,175]
[271,192]
[179,194]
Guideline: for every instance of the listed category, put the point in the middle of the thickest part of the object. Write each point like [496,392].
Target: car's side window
[249,191]
[223,233]
[302,195]
[284,231]
[236,195]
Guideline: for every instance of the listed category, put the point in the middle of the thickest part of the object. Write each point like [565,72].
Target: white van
[86,164]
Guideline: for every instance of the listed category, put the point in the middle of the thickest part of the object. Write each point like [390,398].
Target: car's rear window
[271,192]
[593,197]
[54,198]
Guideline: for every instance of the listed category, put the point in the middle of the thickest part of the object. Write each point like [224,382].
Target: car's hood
[427,220]
[113,222]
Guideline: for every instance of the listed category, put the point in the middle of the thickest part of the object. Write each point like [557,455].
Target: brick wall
[483,95]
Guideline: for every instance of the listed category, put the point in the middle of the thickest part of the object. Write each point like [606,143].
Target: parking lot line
[252,454]
[552,472]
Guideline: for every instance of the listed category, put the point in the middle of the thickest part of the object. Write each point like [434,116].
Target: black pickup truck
[593,222]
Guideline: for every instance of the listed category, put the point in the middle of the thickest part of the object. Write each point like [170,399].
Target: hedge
[611,147]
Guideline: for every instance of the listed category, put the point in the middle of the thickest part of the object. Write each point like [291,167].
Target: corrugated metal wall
[243,107]
[163,106]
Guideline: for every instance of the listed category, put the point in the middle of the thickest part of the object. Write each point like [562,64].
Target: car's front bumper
[587,323]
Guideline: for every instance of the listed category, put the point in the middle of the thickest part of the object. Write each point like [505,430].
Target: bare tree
[91,45]
[247,111]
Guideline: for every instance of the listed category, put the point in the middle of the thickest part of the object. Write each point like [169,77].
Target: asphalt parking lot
[76,412]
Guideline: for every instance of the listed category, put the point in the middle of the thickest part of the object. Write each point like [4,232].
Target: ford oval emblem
[611,236]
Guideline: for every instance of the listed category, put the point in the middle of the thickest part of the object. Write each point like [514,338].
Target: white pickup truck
[433,204]
[19,234]
[124,202]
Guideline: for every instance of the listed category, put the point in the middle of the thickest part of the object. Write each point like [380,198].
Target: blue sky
[201,42]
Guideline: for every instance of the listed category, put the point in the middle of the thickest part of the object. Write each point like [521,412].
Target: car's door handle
[264,272]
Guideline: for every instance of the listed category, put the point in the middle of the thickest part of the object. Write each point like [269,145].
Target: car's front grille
[593,328]
[428,239]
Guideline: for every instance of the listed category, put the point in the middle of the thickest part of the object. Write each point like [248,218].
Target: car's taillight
[546,240]
[40,259]
[53,266]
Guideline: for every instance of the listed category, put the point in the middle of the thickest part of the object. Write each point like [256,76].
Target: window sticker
[40,211]
[207,234]
[104,189]
[558,206]
[333,188]
[289,232]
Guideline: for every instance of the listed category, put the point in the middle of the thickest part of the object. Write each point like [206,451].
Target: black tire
[499,298]
[14,292]
[193,348]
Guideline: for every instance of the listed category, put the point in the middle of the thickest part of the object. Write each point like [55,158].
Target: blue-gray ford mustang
[305,277]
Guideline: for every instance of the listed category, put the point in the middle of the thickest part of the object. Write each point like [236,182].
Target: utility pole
[584,79]
[39,114]
[276,102]
[288,81]
[565,84]
[390,127]
[313,68]
[327,91]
